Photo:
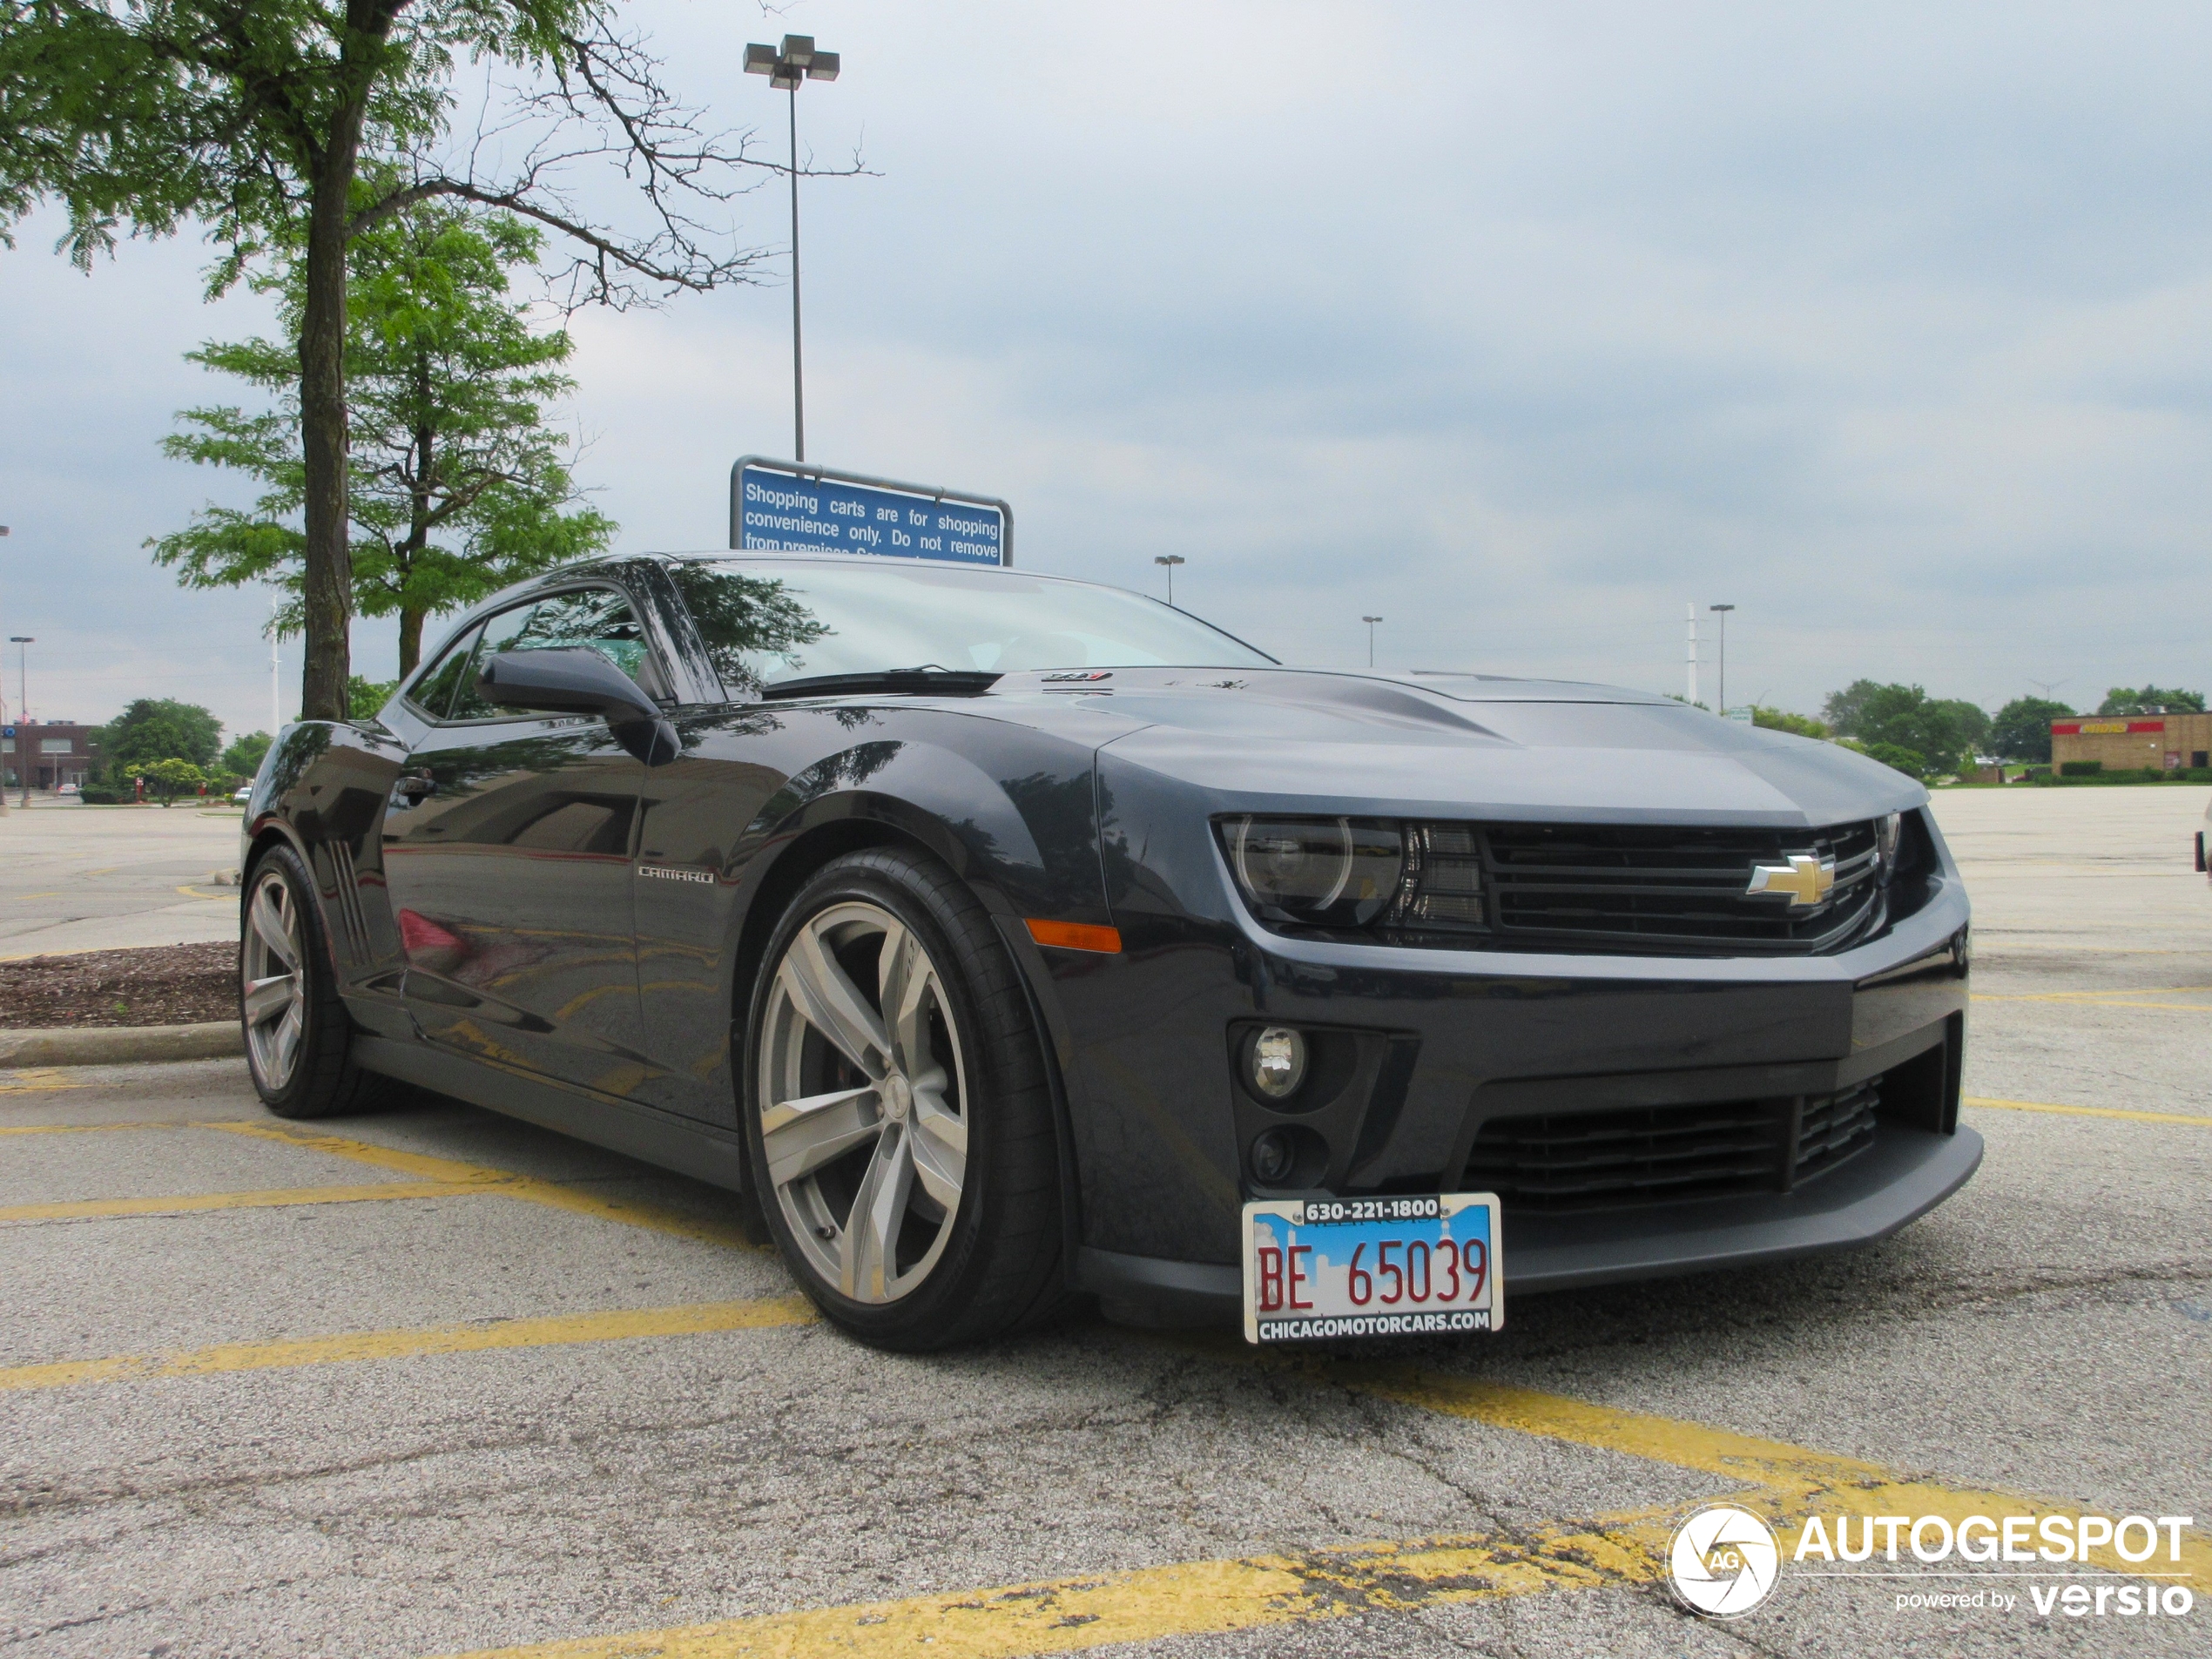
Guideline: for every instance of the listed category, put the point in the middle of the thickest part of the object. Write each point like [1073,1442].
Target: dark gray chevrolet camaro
[1005,938]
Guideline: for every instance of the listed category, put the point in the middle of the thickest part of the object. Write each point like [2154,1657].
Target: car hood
[1462,745]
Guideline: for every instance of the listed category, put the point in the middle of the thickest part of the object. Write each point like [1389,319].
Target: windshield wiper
[928,679]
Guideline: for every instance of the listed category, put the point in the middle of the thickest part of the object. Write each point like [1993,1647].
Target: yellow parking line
[266,1198]
[527,1187]
[2083,1001]
[37,1080]
[2085,996]
[1785,1483]
[1789,1482]
[1186,1598]
[435,1178]
[2090,1111]
[76,1129]
[694,1318]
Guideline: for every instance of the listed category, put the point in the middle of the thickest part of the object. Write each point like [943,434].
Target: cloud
[1520,326]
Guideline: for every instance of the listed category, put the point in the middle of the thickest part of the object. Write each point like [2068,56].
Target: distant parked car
[66,789]
[242,795]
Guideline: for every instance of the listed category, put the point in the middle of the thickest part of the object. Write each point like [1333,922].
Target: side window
[497,634]
[592,617]
[433,693]
[595,618]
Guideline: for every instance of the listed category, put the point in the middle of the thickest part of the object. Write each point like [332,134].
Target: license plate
[1371,1267]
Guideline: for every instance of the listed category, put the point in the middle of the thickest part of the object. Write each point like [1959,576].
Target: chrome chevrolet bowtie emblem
[1804,878]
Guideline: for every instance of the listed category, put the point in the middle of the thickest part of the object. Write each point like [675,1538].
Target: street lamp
[1371,622]
[23,712]
[1721,648]
[3,720]
[1171,560]
[797,62]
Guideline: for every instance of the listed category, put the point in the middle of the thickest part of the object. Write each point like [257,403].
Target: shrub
[2081,768]
[1783,720]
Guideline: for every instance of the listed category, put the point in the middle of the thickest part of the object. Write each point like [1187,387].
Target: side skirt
[652,1136]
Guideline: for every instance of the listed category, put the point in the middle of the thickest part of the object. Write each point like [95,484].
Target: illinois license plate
[1371,1267]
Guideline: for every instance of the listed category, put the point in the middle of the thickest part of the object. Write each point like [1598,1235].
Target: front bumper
[1908,1173]
[1439,1043]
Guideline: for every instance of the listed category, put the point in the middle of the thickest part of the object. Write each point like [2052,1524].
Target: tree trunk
[328,590]
[410,639]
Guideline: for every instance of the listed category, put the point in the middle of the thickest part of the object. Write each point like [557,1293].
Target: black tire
[313,1075]
[991,1260]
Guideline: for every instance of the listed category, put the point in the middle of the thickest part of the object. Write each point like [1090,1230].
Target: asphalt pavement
[433,1382]
[76,878]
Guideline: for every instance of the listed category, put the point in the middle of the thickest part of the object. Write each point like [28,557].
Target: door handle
[414,786]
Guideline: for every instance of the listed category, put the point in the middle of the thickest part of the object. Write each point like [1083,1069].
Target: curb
[118,1045]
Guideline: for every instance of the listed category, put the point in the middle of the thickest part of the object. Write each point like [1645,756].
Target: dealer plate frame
[1296,1224]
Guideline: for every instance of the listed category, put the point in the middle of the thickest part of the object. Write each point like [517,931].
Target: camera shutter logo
[1724,1560]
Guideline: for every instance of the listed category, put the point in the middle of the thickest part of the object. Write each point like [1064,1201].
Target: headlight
[1887,831]
[1325,872]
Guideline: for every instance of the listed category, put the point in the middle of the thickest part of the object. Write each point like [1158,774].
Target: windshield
[764,620]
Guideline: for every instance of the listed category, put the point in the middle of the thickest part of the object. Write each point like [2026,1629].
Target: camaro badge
[1805,879]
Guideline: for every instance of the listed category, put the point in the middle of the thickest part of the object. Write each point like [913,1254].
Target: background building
[2130,742]
[56,752]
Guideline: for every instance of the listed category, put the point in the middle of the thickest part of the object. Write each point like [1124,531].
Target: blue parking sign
[779,506]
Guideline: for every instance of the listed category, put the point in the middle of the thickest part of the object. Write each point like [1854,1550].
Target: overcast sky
[1519,326]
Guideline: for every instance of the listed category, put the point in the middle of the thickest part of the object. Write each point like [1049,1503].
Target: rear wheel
[298,1037]
[898,1112]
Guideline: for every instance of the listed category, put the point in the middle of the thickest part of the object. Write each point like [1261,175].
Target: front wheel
[898,1113]
[298,1037]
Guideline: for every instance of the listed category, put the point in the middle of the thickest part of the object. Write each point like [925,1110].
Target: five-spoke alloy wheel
[863,1114]
[899,1122]
[271,966]
[299,1039]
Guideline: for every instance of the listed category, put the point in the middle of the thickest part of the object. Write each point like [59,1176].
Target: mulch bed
[160,985]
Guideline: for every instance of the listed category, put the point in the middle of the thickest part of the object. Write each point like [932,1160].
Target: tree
[172,778]
[1970,720]
[2022,728]
[1903,715]
[1783,720]
[457,485]
[1897,758]
[156,729]
[243,757]
[364,696]
[252,119]
[2151,699]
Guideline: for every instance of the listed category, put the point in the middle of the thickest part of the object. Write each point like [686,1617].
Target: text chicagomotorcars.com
[1374,1325]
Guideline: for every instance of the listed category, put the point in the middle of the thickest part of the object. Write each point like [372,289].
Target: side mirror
[579,681]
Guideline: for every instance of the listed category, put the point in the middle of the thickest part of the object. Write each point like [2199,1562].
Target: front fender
[323,788]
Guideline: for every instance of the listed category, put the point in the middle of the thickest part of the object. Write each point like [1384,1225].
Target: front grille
[1664,1154]
[1576,887]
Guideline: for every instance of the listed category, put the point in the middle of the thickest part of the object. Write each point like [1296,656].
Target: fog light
[1273,1158]
[1277,1063]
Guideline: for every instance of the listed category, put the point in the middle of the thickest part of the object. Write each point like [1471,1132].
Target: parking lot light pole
[1720,648]
[24,643]
[1371,622]
[1169,560]
[3,720]
[798,61]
